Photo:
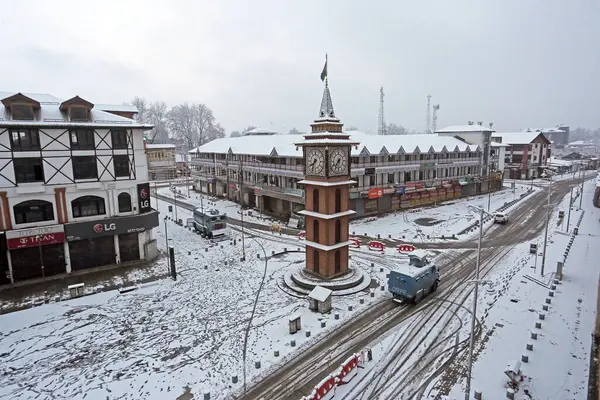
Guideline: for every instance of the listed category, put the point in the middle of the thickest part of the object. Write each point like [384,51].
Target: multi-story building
[474,134]
[161,161]
[558,135]
[391,172]
[73,188]
[527,154]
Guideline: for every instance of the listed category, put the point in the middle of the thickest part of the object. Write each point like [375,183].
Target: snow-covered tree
[194,124]
[295,131]
[235,134]
[395,129]
[157,116]
[142,107]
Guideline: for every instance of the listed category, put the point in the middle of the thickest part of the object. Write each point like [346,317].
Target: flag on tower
[324,72]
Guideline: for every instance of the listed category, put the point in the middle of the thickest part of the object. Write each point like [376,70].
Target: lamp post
[477,281]
[549,174]
[167,244]
[581,192]
[570,204]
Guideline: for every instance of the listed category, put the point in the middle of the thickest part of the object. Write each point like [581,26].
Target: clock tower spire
[326,151]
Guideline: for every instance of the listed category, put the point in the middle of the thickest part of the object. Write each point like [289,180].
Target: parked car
[500,218]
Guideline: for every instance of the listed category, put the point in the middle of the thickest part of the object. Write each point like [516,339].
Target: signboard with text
[21,238]
[143,192]
[111,226]
[375,193]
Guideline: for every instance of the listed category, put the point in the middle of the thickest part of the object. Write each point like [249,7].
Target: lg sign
[99,228]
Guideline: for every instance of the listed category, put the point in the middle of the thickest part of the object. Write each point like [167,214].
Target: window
[33,211]
[407,177]
[316,200]
[316,261]
[82,139]
[316,230]
[87,206]
[338,231]
[391,178]
[85,167]
[78,113]
[119,138]
[24,139]
[22,112]
[371,180]
[338,200]
[373,159]
[337,262]
[121,165]
[124,200]
[28,170]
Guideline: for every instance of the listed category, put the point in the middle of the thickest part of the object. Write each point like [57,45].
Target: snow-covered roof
[50,114]
[546,130]
[153,146]
[577,143]
[496,144]
[464,128]
[259,131]
[117,108]
[517,137]
[559,162]
[285,145]
[320,293]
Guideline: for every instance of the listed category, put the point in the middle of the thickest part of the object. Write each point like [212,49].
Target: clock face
[315,161]
[338,162]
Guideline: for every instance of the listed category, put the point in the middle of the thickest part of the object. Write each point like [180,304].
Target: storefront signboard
[143,192]
[111,226]
[389,190]
[375,193]
[400,189]
[21,238]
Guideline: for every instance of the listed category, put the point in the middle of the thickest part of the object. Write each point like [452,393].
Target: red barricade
[406,248]
[375,245]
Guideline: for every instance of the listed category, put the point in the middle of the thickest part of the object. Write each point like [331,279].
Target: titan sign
[111,226]
[22,238]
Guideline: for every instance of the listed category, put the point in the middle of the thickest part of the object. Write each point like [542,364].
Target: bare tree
[395,129]
[295,131]
[142,107]
[157,116]
[194,124]
[235,134]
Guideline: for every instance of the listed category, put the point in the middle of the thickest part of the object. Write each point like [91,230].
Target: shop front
[108,241]
[36,252]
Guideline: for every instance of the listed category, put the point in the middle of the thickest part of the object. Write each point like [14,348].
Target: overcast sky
[518,63]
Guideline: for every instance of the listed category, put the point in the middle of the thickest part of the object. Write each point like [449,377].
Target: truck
[211,224]
[413,281]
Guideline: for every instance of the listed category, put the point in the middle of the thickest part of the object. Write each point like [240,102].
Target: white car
[500,218]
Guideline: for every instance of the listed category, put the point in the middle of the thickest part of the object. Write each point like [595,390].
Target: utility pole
[547,222]
[581,192]
[381,128]
[428,125]
[474,312]
[570,204]
[241,189]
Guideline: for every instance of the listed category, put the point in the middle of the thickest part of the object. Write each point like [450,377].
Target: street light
[477,281]
[549,173]
[167,243]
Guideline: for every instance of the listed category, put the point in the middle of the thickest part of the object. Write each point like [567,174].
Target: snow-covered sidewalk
[528,312]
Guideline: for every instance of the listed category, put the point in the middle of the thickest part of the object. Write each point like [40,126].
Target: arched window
[316,200]
[124,200]
[338,231]
[337,262]
[87,206]
[316,261]
[33,211]
[316,230]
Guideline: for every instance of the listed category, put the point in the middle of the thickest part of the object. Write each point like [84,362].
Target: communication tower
[381,128]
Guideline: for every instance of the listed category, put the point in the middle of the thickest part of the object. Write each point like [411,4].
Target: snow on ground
[558,365]
[431,223]
[165,336]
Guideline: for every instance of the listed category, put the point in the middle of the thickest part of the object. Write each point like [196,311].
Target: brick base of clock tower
[327,264]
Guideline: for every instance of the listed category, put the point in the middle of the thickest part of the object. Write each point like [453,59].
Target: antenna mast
[381,128]
[428,126]
[436,107]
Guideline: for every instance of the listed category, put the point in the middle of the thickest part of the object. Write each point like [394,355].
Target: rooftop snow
[285,145]
[464,128]
[160,146]
[517,137]
[117,108]
[259,131]
[320,293]
[50,115]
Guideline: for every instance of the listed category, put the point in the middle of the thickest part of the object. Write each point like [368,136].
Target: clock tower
[327,183]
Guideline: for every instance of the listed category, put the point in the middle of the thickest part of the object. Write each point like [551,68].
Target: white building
[73,187]
[474,134]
